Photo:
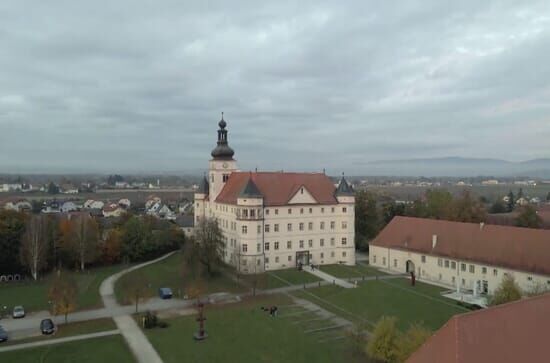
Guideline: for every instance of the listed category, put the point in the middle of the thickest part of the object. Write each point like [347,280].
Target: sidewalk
[329,278]
[58,341]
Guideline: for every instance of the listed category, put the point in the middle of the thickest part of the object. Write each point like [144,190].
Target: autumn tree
[63,293]
[511,201]
[411,340]
[134,287]
[112,247]
[86,239]
[507,291]
[467,209]
[383,344]
[438,203]
[34,246]
[12,227]
[367,219]
[528,218]
[208,240]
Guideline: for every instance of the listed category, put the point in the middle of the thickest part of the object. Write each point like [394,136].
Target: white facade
[448,272]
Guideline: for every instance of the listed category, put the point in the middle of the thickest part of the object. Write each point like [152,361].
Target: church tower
[222,163]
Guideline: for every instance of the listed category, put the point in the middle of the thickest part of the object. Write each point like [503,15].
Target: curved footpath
[137,341]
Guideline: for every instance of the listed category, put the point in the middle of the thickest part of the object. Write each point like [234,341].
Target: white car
[18,312]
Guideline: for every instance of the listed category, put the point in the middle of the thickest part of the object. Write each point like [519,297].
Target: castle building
[276,220]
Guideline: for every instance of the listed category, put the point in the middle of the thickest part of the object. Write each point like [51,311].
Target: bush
[149,320]
[507,291]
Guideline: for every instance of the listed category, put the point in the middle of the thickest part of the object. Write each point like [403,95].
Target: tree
[467,209]
[411,340]
[53,188]
[507,291]
[62,293]
[438,203]
[383,344]
[85,239]
[134,287]
[367,219]
[12,227]
[136,236]
[528,218]
[520,193]
[112,247]
[498,207]
[209,240]
[548,197]
[511,201]
[34,246]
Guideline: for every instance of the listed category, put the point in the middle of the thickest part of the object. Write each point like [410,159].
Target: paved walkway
[58,341]
[143,350]
[329,278]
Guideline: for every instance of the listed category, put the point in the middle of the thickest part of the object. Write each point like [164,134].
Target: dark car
[47,326]
[165,293]
[3,335]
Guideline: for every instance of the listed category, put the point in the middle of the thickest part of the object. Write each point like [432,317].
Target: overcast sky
[139,85]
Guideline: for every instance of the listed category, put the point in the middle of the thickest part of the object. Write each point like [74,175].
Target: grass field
[279,278]
[244,333]
[97,350]
[343,271]
[168,273]
[70,329]
[377,298]
[33,295]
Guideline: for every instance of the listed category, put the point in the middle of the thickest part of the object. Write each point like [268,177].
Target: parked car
[165,293]
[18,312]
[3,335]
[47,326]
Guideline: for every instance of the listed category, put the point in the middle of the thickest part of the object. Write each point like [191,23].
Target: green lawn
[343,271]
[168,273]
[33,295]
[374,299]
[279,278]
[244,333]
[97,350]
[70,329]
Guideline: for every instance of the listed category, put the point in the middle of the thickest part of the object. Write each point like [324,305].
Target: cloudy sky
[139,85]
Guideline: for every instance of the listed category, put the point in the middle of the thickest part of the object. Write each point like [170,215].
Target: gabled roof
[523,249]
[277,188]
[509,333]
[344,189]
[250,190]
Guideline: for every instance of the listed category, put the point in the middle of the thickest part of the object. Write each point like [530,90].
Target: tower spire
[222,149]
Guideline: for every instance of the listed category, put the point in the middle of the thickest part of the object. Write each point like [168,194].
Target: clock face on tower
[224,165]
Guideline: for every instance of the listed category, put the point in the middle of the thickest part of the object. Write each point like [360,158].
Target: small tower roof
[222,149]
[344,189]
[203,186]
[250,190]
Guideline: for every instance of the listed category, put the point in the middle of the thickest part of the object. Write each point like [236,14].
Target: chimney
[481,225]
[434,241]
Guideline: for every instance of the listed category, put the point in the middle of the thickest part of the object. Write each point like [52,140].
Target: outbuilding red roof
[277,188]
[509,333]
[523,249]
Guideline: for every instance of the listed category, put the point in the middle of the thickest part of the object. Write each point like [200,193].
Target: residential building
[186,223]
[113,210]
[471,258]
[276,220]
[18,205]
[68,207]
[509,333]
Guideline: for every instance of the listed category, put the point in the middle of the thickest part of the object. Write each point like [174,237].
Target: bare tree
[63,293]
[134,287]
[85,239]
[34,245]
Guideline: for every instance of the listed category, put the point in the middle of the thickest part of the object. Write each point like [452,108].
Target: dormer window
[302,190]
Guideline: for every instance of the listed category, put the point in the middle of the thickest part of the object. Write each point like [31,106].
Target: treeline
[36,244]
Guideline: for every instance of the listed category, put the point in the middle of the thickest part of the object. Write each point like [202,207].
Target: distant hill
[457,166]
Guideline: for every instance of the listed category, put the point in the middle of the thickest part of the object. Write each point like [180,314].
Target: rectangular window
[462,267]
[344,241]
[310,210]
[529,278]
[395,263]
[301,210]
[301,243]
[266,246]
[267,212]
[301,226]
[453,265]
[277,259]
[344,225]
[276,227]
[484,270]
[454,280]
[244,229]
[252,213]
[266,228]
[332,210]
[289,227]
[276,211]
[423,259]
[463,282]
[323,211]
[322,225]
[446,263]
[289,211]
[322,255]
[310,243]
[245,248]
[440,262]
[332,254]
[276,245]
[289,258]
[344,254]
[266,260]
[384,261]
[374,259]
[289,245]
[259,228]
[332,225]
[344,209]
[259,247]
[310,226]
[472,269]
[332,241]
[322,242]
[495,272]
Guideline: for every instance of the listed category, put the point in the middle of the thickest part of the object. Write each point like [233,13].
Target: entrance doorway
[409,266]
[302,258]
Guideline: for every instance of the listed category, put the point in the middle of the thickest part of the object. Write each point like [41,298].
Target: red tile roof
[522,249]
[278,188]
[509,333]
